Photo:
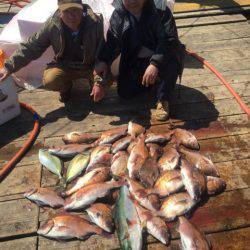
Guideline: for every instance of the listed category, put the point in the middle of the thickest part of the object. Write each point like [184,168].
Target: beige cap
[66,4]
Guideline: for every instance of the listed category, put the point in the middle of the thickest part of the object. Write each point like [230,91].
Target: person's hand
[150,75]
[4,73]
[101,69]
[98,92]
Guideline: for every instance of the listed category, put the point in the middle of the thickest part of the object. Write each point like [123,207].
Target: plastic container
[9,105]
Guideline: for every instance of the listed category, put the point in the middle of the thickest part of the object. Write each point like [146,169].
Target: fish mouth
[29,193]
[46,228]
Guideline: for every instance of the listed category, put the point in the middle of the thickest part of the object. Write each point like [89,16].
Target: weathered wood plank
[184,6]
[29,243]
[195,67]
[92,123]
[218,45]
[235,173]
[227,148]
[209,20]
[20,180]
[8,151]
[205,129]
[233,240]
[209,79]
[187,94]
[17,218]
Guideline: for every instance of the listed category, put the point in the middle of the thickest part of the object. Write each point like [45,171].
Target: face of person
[134,6]
[72,17]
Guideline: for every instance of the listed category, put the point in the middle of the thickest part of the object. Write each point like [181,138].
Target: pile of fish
[129,180]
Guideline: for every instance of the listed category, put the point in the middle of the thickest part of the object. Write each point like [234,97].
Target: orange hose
[229,87]
[19,155]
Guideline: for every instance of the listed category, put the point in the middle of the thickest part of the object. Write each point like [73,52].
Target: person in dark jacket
[151,53]
[75,34]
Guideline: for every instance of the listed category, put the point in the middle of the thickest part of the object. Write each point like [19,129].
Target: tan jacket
[52,34]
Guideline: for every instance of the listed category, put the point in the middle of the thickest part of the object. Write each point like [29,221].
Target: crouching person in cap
[75,34]
[151,53]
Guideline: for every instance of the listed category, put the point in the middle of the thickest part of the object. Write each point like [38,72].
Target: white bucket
[9,105]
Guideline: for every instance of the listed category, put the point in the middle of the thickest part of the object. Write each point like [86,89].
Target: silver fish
[76,166]
[65,227]
[110,136]
[205,165]
[150,202]
[101,215]
[155,151]
[169,159]
[137,157]
[185,138]
[154,225]
[191,237]
[89,194]
[70,150]
[100,154]
[44,197]
[51,162]
[119,164]
[135,129]
[149,172]
[215,185]
[169,182]
[176,205]
[94,176]
[194,181]
[157,138]
[79,137]
[122,144]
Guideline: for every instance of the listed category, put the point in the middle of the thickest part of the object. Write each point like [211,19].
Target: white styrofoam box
[9,105]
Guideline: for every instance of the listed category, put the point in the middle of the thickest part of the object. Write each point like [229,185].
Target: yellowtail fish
[51,162]
[76,166]
[127,221]
[44,197]
[96,175]
[79,137]
[66,227]
[101,215]
[191,237]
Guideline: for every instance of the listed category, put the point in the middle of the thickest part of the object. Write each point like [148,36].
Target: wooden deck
[205,106]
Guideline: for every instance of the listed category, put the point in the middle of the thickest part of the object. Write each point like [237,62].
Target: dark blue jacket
[155,30]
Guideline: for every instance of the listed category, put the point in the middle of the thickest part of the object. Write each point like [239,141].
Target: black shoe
[65,96]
